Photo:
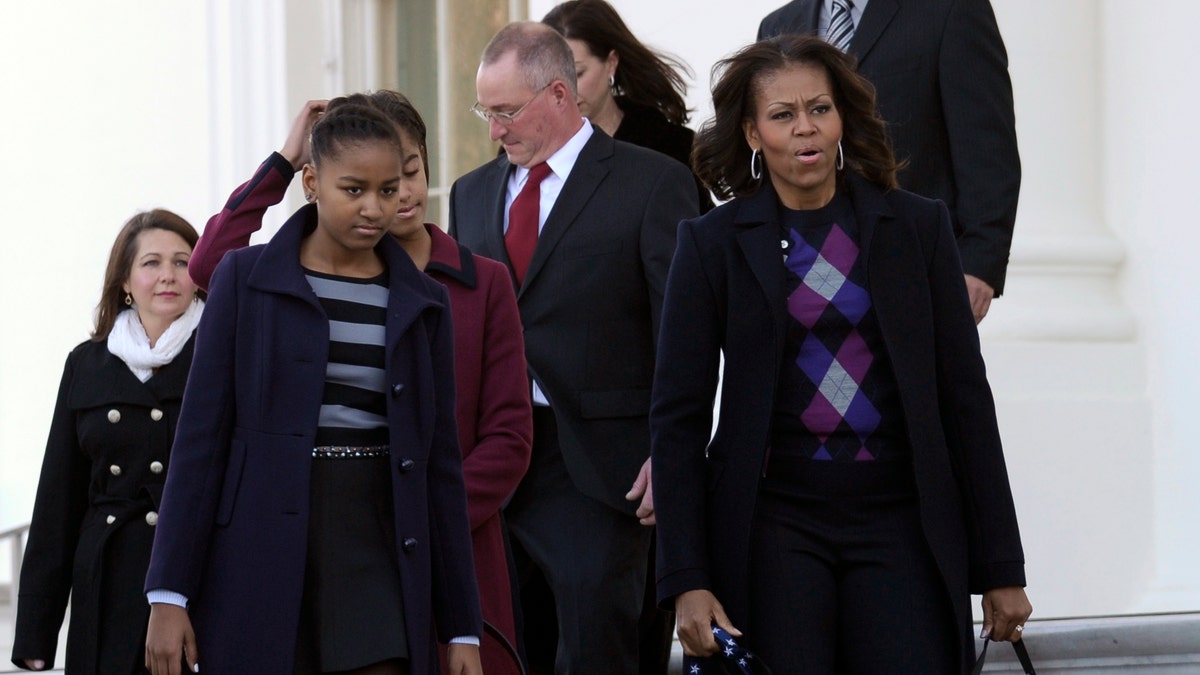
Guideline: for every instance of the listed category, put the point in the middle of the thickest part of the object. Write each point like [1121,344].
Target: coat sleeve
[504,420]
[685,385]
[672,200]
[977,101]
[455,592]
[242,216]
[200,453]
[58,510]
[968,413]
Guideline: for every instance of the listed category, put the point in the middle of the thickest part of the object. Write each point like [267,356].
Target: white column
[1065,261]
[1065,352]
[1151,179]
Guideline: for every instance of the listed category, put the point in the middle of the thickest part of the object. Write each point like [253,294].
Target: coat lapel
[496,184]
[115,383]
[875,19]
[408,292]
[587,174]
[277,269]
[758,237]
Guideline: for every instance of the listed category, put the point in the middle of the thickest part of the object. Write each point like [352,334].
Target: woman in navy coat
[854,493]
[234,526]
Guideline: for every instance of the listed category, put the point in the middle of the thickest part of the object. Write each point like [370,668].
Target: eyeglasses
[504,118]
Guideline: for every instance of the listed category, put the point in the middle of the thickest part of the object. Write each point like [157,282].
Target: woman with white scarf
[107,456]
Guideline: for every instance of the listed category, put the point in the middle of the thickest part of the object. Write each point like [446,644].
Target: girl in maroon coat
[493,408]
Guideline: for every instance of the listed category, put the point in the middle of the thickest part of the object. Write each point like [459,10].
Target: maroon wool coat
[495,427]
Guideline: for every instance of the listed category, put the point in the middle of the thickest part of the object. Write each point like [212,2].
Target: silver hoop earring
[612,82]
[841,159]
[755,164]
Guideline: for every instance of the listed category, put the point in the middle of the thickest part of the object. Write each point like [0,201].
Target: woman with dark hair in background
[634,93]
[854,493]
[109,446]
[495,427]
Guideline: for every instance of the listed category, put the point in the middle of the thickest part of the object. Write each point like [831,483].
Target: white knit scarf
[128,340]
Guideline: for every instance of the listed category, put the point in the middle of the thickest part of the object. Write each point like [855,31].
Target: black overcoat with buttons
[233,528]
[96,507]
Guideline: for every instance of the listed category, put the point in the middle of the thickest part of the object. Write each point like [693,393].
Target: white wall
[106,112]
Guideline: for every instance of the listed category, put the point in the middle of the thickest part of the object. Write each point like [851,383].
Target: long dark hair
[721,156]
[120,262]
[644,76]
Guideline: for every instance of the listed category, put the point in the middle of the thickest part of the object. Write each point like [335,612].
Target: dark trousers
[593,562]
[841,578]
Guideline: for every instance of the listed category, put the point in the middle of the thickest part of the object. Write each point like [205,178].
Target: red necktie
[522,235]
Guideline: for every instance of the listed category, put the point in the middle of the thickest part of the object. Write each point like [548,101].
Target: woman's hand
[169,640]
[34,664]
[297,149]
[463,659]
[1005,611]
[695,613]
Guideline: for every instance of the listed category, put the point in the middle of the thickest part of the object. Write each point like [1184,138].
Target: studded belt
[350,451]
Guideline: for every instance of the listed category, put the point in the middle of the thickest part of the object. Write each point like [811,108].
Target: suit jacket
[495,427]
[592,296]
[940,72]
[109,445]
[725,298]
[232,530]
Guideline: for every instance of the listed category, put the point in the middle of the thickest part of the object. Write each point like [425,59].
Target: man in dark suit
[589,250]
[940,71]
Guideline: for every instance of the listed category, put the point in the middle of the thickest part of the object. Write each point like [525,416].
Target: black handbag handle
[1022,656]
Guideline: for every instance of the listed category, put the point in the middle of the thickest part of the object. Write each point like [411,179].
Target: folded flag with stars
[730,659]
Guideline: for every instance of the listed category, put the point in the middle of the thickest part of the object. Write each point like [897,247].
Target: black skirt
[352,612]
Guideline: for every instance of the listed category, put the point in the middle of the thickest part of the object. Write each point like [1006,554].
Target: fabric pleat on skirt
[352,612]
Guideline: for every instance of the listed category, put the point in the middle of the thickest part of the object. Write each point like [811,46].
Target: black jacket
[95,513]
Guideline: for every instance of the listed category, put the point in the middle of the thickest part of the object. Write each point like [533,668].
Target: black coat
[93,519]
[724,298]
[649,128]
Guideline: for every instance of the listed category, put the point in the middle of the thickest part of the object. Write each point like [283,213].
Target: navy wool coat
[724,297]
[232,531]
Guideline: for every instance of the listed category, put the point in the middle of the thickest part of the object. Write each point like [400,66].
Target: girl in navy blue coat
[314,518]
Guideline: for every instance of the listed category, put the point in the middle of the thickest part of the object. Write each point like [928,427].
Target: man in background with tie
[940,72]
[587,226]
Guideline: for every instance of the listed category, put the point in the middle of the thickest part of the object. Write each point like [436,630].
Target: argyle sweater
[837,398]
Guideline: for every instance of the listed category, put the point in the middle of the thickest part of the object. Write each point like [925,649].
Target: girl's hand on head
[297,149]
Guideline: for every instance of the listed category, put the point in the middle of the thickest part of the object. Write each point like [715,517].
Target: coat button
[114,470]
[156,414]
[110,520]
[151,518]
[114,415]
[156,467]
[406,465]
[409,544]
[396,389]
